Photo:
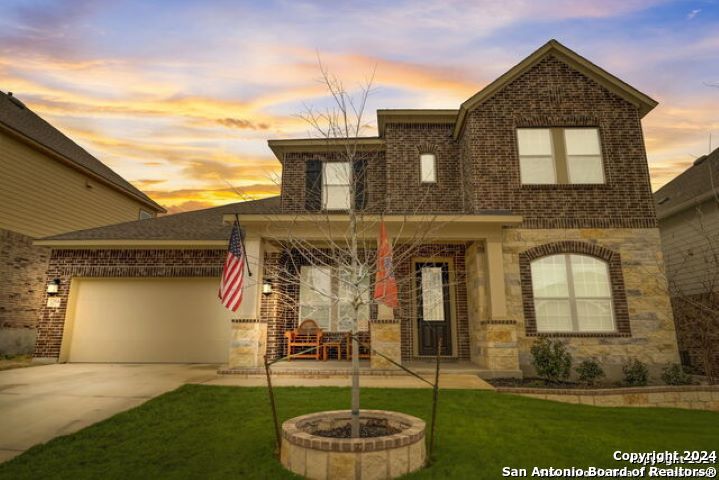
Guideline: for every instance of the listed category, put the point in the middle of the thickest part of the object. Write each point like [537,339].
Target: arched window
[572,293]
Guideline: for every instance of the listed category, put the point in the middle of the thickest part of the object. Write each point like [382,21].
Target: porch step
[318,371]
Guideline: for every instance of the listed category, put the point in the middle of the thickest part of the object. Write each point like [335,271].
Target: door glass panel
[432,294]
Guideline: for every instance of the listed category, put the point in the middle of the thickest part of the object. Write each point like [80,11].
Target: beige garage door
[138,320]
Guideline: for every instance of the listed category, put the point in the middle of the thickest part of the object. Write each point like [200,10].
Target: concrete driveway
[41,403]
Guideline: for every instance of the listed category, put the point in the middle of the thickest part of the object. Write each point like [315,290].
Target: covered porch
[466,253]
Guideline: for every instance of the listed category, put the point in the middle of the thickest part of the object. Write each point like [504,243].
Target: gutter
[687,204]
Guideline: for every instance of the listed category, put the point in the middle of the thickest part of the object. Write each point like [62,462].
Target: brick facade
[293,178]
[405,192]
[552,94]
[22,270]
[479,172]
[148,263]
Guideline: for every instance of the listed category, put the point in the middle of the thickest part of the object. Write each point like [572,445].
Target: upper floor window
[336,177]
[559,155]
[428,167]
[144,214]
[572,294]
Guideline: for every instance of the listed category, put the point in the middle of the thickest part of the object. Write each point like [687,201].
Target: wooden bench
[306,335]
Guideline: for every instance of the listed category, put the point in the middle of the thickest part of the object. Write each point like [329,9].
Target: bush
[551,359]
[589,372]
[636,373]
[675,375]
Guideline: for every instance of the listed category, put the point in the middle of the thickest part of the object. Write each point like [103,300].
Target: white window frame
[335,301]
[572,297]
[429,175]
[337,184]
[560,157]
[570,155]
[528,157]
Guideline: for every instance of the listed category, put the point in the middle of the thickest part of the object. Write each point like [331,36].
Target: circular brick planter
[323,458]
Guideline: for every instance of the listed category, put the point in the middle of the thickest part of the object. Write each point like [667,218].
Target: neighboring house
[542,181]
[688,213]
[48,185]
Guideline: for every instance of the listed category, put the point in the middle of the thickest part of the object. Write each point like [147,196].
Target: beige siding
[40,196]
[688,241]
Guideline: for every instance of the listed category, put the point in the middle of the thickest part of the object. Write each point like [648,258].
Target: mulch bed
[368,429]
[539,383]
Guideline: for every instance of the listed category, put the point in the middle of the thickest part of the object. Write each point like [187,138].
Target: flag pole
[242,242]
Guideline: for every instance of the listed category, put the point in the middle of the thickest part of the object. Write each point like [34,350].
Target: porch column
[496,333]
[385,337]
[495,278]
[248,338]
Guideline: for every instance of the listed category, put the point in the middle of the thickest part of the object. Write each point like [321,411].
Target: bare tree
[693,276]
[338,235]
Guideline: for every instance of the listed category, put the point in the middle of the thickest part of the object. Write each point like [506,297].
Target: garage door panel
[141,320]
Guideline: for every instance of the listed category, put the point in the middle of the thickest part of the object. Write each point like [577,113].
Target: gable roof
[643,102]
[197,225]
[693,186]
[16,118]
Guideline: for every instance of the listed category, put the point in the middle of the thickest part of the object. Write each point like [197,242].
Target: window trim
[560,157]
[325,184]
[421,173]
[333,302]
[616,284]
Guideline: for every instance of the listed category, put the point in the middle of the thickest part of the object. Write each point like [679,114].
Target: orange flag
[385,285]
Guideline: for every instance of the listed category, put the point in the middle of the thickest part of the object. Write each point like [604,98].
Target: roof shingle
[204,224]
[690,186]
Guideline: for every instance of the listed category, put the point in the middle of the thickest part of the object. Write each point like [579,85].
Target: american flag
[233,273]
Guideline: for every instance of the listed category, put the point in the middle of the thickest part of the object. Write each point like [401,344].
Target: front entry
[434,313]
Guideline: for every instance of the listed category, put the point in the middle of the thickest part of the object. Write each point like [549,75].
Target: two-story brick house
[542,183]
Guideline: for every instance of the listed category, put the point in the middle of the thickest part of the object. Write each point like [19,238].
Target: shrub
[551,359]
[635,373]
[589,371]
[675,375]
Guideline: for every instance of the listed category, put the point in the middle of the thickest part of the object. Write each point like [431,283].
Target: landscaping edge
[694,397]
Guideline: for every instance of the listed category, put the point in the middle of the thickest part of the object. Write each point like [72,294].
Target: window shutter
[360,181]
[313,185]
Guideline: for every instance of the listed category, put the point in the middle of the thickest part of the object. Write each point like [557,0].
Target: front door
[434,315]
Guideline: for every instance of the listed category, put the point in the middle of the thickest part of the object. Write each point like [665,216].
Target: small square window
[144,215]
[428,167]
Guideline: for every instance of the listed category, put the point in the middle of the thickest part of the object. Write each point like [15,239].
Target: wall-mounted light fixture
[266,287]
[53,287]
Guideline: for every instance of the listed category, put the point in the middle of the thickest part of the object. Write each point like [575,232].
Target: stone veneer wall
[22,287]
[652,338]
[149,263]
[699,397]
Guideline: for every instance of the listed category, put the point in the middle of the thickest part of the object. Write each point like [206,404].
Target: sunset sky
[180,97]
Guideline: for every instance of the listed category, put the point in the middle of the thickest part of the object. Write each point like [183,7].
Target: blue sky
[180,96]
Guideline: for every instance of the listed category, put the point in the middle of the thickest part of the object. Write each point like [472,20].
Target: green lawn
[224,432]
